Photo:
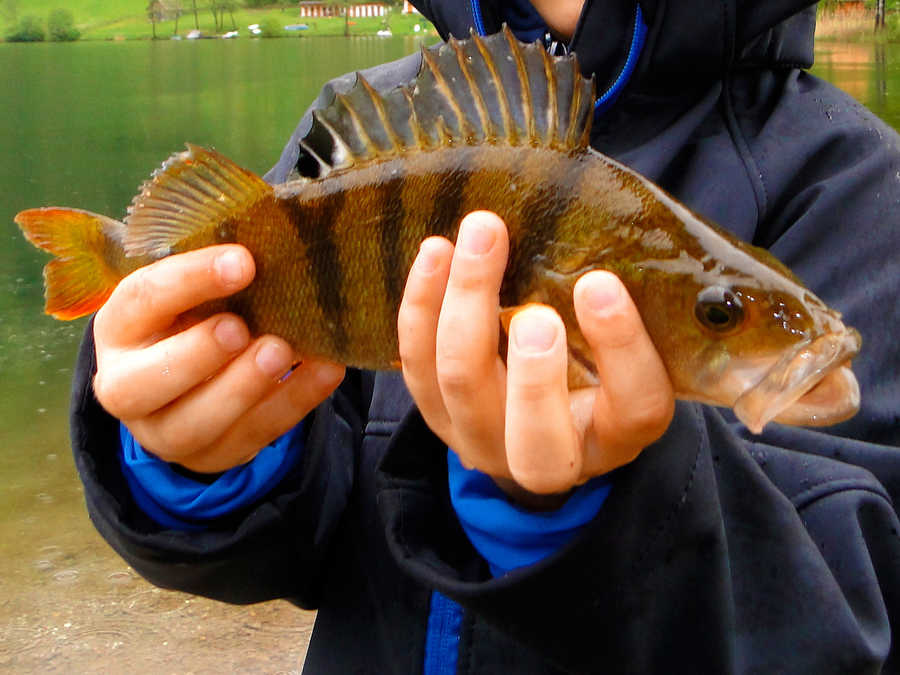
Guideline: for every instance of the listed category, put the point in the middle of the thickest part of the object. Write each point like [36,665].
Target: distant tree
[196,20]
[29,29]
[61,26]
[177,8]
[229,6]
[155,12]
[218,9]
[214,8]
[879,15]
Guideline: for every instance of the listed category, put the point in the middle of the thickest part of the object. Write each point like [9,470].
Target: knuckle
[101,329]
[533,391]
[172,443]
[142,288]
[650,416]
[545,483]
[619,331]
[102,393]
[116,399]
[411,354]
[456,376]
[492,464]
[475,277]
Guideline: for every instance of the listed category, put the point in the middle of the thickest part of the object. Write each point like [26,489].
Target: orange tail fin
[88,249]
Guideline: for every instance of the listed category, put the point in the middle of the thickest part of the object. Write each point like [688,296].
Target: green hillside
[127,19]
[88,14]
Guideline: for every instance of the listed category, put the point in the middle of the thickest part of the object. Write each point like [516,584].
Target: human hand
[519,421]
[199,392]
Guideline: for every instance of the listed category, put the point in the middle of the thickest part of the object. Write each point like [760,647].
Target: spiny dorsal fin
[190,195]
[481,90]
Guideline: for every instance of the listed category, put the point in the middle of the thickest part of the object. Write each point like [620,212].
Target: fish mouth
[812,385]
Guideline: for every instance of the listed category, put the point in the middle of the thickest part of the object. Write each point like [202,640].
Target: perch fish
[488,123]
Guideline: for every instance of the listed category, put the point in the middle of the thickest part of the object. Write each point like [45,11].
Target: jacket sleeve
[716,550]
[287,534]
[711,552]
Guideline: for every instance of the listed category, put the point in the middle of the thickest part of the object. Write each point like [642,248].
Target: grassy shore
[127,20]
[107,21]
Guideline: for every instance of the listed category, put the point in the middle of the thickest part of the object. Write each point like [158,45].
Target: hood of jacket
[681,42]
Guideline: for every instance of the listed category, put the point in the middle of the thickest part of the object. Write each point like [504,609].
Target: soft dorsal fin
[191,194]
[481,90]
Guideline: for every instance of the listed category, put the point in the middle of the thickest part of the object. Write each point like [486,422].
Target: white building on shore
[317,8]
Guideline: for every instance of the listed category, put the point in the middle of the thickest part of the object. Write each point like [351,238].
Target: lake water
[83,125]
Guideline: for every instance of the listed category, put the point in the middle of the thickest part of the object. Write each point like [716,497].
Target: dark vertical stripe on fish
[542,211]
[450,204]
[393,267]
[315,221]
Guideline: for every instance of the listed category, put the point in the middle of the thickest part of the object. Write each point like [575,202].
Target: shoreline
[287,24]
[855,25]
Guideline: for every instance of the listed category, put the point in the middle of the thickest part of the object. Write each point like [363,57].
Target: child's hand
[201,393]
[520,421]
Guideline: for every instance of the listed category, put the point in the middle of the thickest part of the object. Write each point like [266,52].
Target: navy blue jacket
[716,551]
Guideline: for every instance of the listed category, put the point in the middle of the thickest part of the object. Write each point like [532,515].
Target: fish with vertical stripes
[488,123]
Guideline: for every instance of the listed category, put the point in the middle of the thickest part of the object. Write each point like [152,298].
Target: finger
[417,324]
[290,401]
[542,449]
[635,402]
[175,431]
[470,374]
[145,380]
[148,300]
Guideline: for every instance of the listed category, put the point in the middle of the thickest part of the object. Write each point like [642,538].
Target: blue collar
[638,39]
[527,25]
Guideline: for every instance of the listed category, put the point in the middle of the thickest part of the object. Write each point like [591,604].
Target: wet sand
[69,604]
[79,609]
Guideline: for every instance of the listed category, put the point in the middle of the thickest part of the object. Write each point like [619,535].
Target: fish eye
[718,309]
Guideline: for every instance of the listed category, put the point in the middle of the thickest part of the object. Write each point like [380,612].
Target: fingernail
[230,267]
[427,260]
[273,359]
[601,291]
[475,238]
[231,334]
[534,333]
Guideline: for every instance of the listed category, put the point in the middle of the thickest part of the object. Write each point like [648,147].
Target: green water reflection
[869,72]
[83,125]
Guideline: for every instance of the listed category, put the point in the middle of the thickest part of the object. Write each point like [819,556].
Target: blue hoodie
[715,551]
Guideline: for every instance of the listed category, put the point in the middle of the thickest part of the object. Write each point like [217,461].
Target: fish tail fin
[85,271]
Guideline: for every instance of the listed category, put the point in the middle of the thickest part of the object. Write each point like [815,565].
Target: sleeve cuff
[177,502]
[509,536]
